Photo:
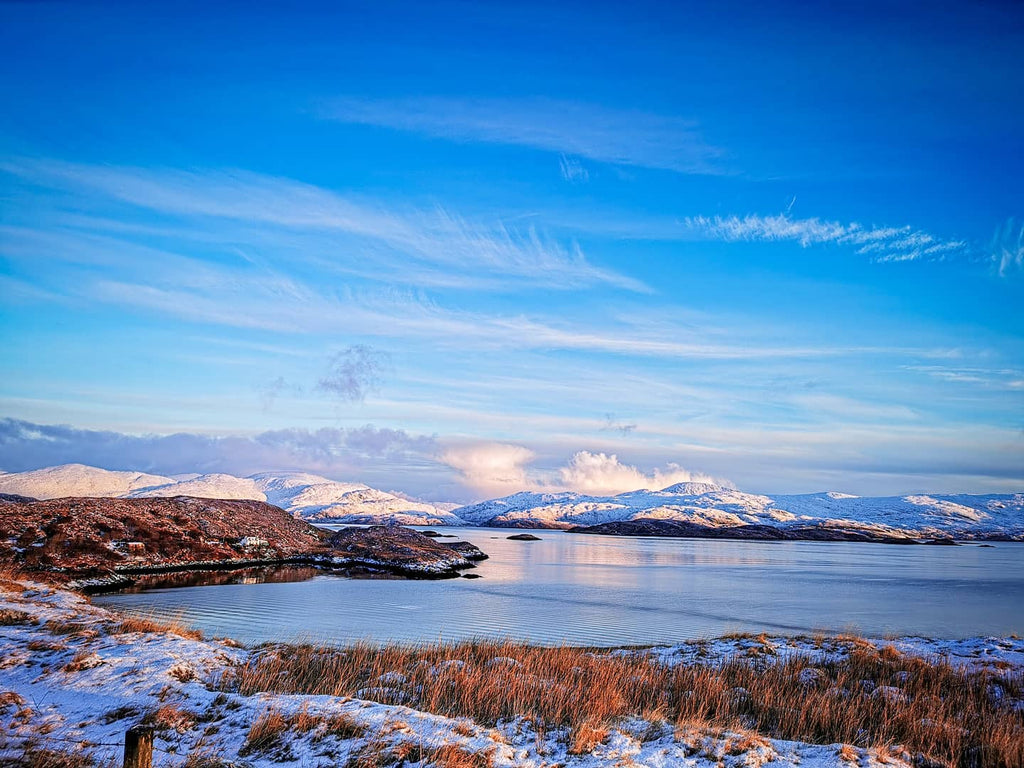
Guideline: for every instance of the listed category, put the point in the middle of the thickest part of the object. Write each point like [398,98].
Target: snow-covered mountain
[958,515]
[319,499]
[308,496]
[76,480]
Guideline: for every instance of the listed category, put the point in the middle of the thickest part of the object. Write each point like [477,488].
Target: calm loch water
[598,590]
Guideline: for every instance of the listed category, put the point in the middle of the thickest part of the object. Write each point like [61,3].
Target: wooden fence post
[138,747]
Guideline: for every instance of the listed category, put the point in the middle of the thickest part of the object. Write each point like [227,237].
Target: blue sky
[463,249]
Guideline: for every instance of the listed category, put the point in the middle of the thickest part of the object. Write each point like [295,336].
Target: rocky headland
[99,543]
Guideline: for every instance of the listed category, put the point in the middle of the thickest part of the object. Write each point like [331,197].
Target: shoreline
[121,578]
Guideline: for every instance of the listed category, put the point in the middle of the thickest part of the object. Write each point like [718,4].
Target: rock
[523,537]
[467,550]
[811,677]
[404,551]
[471,576]
[431,534]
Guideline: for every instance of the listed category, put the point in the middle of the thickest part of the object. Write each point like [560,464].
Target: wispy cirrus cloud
[425,247]
[879,243]
[1008,246]
[621,137]
[572,170]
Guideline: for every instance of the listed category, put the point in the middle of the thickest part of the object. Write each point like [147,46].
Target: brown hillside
[93,536]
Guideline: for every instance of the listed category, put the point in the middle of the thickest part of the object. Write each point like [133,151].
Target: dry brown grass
[144,624]
[379,753]
[72,628]
[12,576]
[171,718]
[848,754]
[10,617]
[82,660]
[586,737]
[946,714]
[266,732]
[35,757]
[344,726]
[453,756]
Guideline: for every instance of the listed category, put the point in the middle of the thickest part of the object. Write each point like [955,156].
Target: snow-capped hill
[961,516]
[303,490]
[76,480]
[303,494]
[362,504]
[691,488]
[215,486]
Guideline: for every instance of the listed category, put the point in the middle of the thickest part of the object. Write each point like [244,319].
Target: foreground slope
[76,677]
[709,506]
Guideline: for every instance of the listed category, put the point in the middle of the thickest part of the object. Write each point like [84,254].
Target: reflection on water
[601,590]
[261,575]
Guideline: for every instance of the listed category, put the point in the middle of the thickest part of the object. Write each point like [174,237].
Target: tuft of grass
[10,699]
[379,753]
[454,756]
[266,732]
[171,718]
[70,628]
[586,737]
[848,754]
[344,726]
[944,713]
[34,757]
[150,625]
[9,617]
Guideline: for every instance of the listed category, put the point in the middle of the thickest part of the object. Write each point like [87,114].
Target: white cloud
[603,474]
[493,469]
[500,469]
[880,243]
[621,137]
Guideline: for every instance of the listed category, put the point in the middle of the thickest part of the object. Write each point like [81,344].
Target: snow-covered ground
[710,505]
[70,680]
[309,496]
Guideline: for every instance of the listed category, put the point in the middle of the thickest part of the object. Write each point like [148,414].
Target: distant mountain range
[308,496]
[711,506]
[706,505]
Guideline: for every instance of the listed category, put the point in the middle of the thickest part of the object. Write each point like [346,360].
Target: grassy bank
[870,697]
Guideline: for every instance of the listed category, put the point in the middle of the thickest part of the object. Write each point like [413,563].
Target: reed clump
[951,716]
[147,624]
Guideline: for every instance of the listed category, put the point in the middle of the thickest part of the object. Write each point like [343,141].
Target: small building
[252,542]
[135,547]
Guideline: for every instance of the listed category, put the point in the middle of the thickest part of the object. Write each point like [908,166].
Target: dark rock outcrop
[400,550]
[523,537]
